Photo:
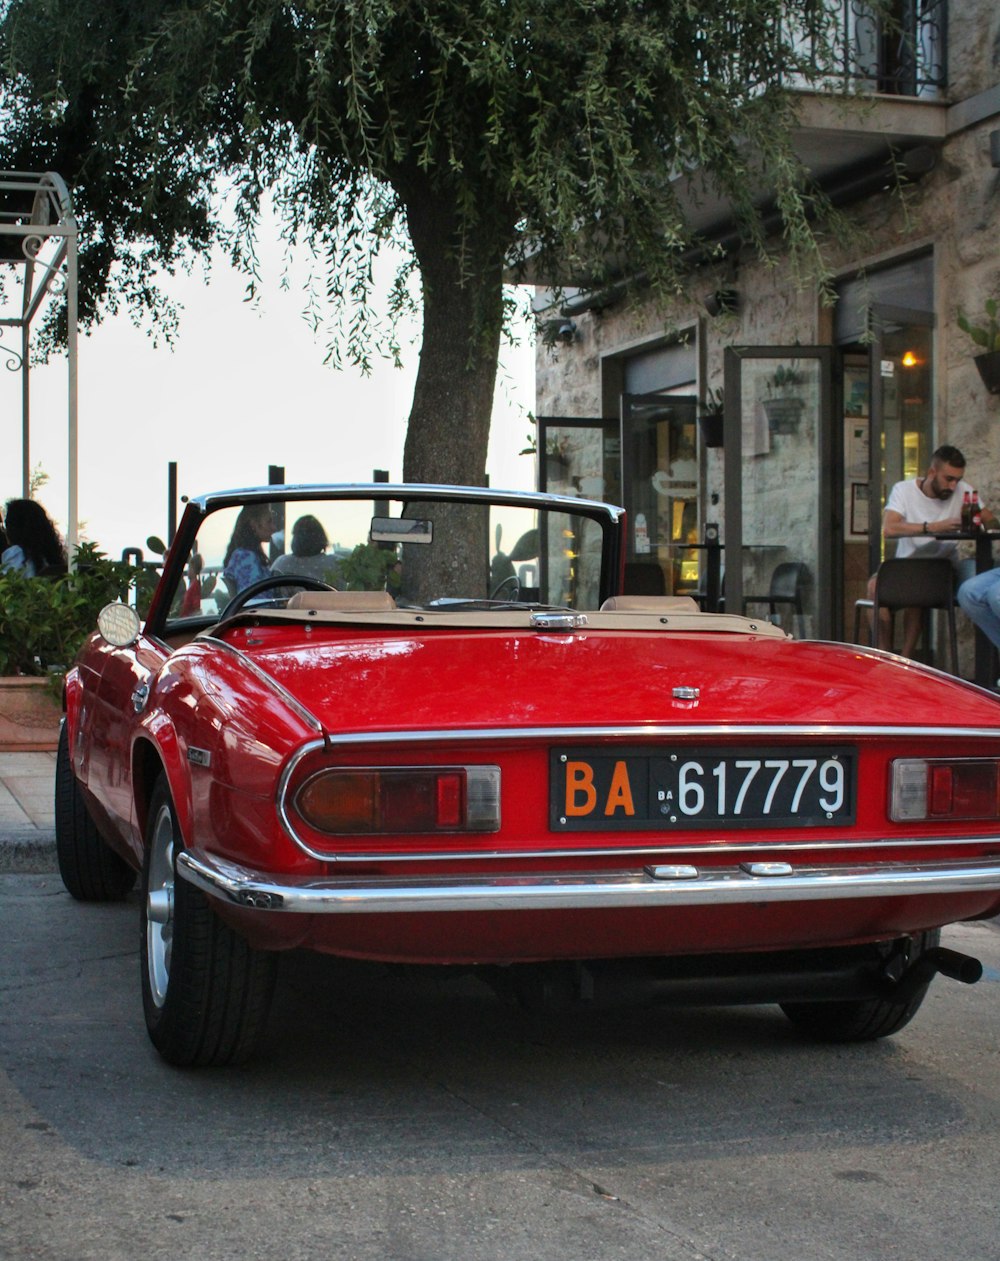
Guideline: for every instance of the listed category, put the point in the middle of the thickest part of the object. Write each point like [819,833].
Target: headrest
[650,604]
[342,601]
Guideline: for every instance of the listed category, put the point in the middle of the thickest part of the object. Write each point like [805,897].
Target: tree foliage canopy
[473,133]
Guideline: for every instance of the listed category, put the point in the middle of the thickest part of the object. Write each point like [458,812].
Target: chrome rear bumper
[648,887]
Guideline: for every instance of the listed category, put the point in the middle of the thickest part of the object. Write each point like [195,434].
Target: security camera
[722,302]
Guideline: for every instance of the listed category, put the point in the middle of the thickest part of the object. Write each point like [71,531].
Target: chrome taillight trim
[639,733]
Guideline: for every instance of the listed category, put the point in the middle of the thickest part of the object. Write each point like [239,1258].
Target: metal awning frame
[38,242]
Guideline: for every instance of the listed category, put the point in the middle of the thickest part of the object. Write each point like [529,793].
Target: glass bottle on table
[966,511]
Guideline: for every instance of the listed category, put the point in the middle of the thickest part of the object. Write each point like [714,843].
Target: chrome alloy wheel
[160,905]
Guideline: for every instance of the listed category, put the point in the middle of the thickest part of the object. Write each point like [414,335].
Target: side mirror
[119,624]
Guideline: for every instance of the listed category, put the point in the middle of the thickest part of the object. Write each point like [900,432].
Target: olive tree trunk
[449,425]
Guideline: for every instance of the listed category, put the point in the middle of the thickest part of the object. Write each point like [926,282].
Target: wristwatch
[925,527]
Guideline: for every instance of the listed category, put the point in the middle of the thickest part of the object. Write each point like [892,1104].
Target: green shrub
[44,621]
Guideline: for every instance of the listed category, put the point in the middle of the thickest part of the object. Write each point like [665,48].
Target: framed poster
[859,525]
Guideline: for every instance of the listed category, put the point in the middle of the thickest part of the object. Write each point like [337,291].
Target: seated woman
[308,557]
[245,562]
[33,544]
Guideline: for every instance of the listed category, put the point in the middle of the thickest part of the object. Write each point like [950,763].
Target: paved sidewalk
[27,824]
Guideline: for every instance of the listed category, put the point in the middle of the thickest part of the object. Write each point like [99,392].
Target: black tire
[90,868]
[866,1019]
[205,992]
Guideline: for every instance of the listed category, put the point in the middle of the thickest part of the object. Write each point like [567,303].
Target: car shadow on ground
[371,1069]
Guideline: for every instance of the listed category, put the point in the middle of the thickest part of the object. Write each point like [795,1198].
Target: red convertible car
[423,724]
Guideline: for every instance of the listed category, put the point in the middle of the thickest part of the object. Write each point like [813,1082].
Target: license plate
[703,787]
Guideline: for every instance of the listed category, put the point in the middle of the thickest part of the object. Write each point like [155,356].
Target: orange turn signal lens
[374,800]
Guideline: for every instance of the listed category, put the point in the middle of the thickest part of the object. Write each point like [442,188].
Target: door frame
[829,507]
[879,314]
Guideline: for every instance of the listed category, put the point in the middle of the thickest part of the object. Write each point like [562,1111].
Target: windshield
[423,554]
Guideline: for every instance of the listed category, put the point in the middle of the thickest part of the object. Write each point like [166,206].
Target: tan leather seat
[343,601]
[650,604]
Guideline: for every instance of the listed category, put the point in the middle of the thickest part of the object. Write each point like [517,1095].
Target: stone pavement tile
[34,797]
[27,812]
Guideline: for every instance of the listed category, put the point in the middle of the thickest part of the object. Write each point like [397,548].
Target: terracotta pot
[29,715]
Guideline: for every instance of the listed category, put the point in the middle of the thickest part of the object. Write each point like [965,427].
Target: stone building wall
[955,209]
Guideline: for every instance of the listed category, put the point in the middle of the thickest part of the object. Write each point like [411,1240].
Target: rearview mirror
[401,530]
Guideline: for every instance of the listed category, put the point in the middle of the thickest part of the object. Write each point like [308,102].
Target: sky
[243,388]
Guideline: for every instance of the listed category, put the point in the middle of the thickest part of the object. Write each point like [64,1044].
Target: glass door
[661,490]
[580,455]
[783,524]
[902,412]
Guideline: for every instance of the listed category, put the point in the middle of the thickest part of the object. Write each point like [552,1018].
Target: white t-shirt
[914,506]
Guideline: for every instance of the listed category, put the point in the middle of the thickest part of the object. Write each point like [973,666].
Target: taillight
[945,788]
[371,800]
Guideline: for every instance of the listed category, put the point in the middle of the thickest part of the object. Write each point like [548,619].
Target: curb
[28,852]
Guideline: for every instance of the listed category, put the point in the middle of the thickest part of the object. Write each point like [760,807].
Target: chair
[916,583]
[789,584]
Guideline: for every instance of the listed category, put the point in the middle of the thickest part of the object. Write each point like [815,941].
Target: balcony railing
[903,53]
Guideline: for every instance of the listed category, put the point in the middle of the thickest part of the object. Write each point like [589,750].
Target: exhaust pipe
[949,963]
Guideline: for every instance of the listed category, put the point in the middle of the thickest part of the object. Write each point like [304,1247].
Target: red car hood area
[455,678]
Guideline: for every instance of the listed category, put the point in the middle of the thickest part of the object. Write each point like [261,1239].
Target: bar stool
[860,606]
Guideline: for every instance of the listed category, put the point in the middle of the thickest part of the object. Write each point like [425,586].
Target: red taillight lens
[373,800]
[945,788]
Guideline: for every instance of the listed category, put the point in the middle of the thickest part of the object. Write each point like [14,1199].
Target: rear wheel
[205,991]
[865,1019]
[90,869]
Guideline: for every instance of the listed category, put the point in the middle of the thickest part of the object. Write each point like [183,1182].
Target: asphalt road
[401,1117]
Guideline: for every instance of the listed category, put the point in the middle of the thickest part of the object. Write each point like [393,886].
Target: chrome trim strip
[644,732]
[422,491]
[665,848]
[241,886]
[268,680]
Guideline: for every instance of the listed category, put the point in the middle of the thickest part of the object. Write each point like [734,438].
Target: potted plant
[783,406]
[711,419]
[43,622]
[986,335]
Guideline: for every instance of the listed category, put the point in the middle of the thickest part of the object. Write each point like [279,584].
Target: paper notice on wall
[856,454]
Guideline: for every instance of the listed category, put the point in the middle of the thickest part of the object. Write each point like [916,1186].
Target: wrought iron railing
[902,53]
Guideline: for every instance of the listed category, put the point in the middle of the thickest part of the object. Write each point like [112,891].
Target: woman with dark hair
[245,561]
[308,557]
[33,544]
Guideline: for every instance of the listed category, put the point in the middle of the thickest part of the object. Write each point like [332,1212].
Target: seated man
[918,509]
